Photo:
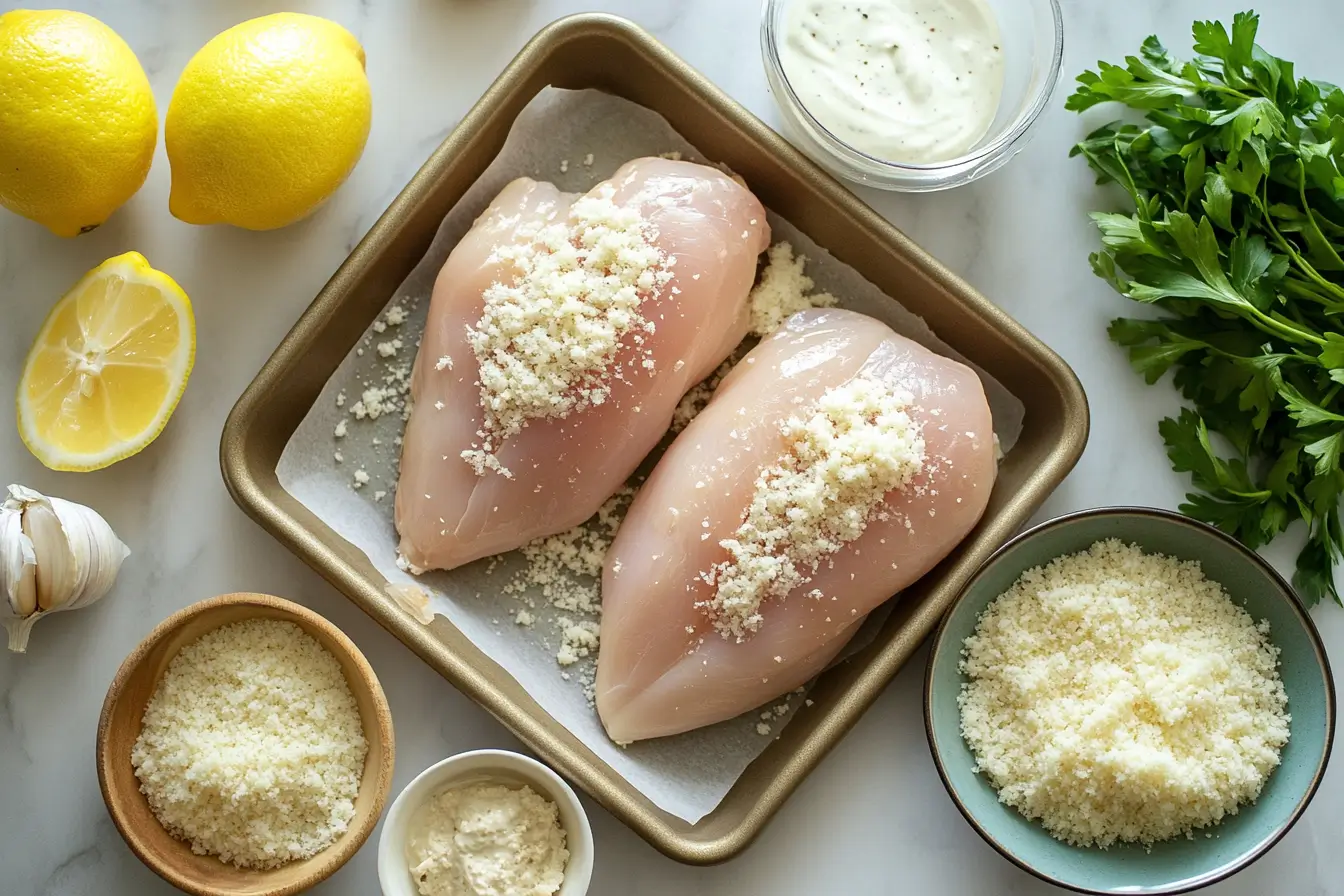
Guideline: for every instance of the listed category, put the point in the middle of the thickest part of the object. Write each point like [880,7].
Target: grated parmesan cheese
[783,291]
[545,342]
[695,401]
[838,467]
[252,748]
[1120,696]
[565,570]
[577,639]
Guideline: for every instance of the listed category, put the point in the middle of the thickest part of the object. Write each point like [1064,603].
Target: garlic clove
[97,552]
[56,572]
[54,555]
[18,564]
[24,599]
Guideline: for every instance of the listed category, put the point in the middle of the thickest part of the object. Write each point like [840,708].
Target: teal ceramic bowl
[1175,866]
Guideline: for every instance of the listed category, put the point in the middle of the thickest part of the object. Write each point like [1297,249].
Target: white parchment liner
[685,775]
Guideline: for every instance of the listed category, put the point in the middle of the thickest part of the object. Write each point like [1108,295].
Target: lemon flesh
[78,119]
[268,119]
[108,366]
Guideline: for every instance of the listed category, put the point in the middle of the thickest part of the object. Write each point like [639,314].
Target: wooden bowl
[119,726]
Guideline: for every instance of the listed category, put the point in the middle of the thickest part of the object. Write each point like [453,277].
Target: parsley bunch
[1237,234]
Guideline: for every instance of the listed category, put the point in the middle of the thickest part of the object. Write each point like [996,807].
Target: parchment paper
[552,140]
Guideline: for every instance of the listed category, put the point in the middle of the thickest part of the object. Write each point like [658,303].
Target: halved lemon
[108,366]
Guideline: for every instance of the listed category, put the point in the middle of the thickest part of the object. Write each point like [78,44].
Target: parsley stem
[1303,266]
[1283,328]
[1299,285]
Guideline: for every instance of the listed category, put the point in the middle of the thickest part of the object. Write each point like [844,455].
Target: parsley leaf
[1234,234]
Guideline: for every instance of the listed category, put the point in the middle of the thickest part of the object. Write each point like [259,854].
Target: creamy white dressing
[487,839]
[902,80]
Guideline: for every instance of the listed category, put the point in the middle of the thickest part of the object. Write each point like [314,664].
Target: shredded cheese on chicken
[839,464]
[547,342]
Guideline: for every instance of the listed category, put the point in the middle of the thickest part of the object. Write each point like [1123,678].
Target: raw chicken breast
[710,228]
[664,667]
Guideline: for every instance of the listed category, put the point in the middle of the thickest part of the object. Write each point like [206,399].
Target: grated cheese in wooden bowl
[252,747]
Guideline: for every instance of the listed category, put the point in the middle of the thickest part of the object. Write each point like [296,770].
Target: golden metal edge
[596,778]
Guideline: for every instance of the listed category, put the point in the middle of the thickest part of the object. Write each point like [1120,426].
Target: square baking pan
[610,54]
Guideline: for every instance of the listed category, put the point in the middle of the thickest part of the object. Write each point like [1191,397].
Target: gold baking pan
[611,54]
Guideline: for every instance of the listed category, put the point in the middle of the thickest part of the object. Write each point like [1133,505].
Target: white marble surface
[873,819]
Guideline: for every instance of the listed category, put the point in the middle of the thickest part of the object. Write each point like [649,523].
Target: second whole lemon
[77,119]
[268,119]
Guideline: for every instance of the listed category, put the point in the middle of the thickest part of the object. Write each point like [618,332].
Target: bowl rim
[333,857]
[1241,862]
[557,788]
[974,159]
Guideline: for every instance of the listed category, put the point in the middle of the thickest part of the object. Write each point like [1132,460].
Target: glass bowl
[1032,34]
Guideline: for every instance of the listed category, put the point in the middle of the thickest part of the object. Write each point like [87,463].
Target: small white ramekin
[501,766]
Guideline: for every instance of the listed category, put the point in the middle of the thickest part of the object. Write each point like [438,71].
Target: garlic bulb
[54,555]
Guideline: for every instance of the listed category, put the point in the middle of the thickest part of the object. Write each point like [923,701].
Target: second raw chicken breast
[835,465]
[562,332]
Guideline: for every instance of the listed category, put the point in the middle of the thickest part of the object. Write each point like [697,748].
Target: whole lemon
[266,122]
[77,119]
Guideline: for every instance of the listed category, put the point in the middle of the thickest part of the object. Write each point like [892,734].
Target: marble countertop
[873,819]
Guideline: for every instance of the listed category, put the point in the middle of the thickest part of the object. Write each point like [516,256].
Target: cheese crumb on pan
[783,291]
[838,466]
[1120,696]
[695,401]
[252,748]
[547,341]
[565,570]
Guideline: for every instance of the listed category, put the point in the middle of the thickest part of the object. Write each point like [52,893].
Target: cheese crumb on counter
[545,343]
[252,748]
[1120,696]
[839,464]
[487,839]
[783,291]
